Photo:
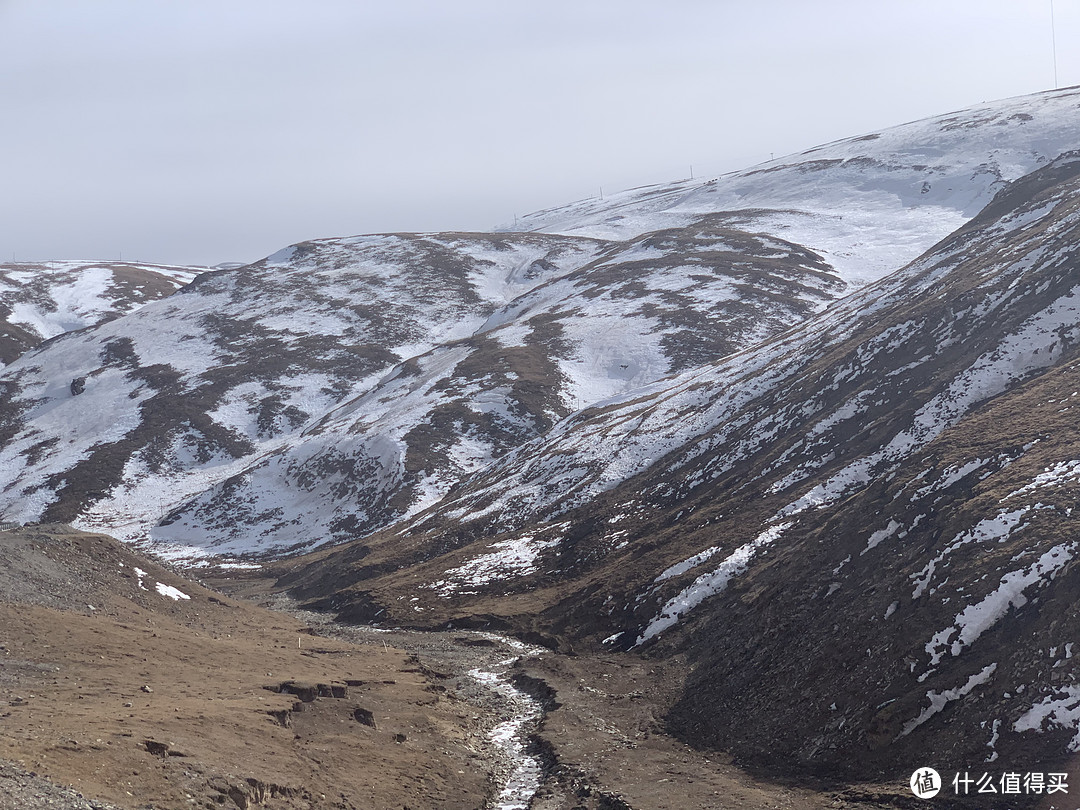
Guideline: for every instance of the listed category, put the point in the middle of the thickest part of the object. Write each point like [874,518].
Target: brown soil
[207,731]
[604,733]
[247,707]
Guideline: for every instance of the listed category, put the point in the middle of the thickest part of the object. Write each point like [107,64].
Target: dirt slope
[142,700]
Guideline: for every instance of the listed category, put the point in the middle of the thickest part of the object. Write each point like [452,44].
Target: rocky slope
[41,300]
[871,512]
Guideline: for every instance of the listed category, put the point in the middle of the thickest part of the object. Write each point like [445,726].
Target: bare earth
[141,701]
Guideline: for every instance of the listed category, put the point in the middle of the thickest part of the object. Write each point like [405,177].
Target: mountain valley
[761,486]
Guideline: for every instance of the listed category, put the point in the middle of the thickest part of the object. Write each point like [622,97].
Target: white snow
[939,700]
[1061,709]
[508,559]
[880,535]
[169,591]
[710,584]
[999,527]
[691,562]
[1060,473]
[977,618]
[869,205]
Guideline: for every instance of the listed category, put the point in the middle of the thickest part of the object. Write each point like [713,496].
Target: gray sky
[203,131]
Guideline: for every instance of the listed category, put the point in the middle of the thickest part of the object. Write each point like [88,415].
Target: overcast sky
[205,131]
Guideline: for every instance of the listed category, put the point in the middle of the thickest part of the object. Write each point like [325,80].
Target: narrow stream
[484,662]
[511,737]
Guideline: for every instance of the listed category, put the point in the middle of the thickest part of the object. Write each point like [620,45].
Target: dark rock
[365,717]
[305,691]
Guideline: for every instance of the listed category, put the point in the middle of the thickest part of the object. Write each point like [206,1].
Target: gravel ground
[23,790]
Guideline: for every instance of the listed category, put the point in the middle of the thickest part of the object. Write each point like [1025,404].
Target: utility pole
[1053,42]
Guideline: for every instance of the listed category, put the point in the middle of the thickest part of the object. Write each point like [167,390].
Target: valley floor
[111,689]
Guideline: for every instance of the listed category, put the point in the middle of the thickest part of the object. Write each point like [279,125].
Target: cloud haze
[201,132]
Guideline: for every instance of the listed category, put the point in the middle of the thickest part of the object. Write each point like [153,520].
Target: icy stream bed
[484,664]
[511,737]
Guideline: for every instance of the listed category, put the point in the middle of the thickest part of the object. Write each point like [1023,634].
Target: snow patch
[710,584]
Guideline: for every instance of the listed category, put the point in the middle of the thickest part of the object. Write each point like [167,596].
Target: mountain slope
[41,300]
[892,482]
[868,204]
[343,385]
[337,385]
[183,392]
[632,315]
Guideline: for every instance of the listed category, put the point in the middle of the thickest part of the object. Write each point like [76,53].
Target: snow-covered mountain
[875,507]
[868,204]
[41,300]
[810,426]
[339,384]
[342,385]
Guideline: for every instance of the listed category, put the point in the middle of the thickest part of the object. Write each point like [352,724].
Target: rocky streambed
[479,668]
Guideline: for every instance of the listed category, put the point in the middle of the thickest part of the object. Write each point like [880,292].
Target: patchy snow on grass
[691,562]
[949,477]
[169,591]
[976,619]
[939,700]
[999,527]
[710,584]
[508,559]
[1060,709]
[1037,344]
[881,535]
[1060,473]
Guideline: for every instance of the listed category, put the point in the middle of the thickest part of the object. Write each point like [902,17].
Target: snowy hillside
[892,481]
[342,385]
[44,299]
[869,204]
[158,406]
[631,316]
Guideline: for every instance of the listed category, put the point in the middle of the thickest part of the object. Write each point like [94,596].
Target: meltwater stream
[491,658]
[511,736]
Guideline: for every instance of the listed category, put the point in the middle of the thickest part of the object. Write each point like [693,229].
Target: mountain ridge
[719,535]
[247,431]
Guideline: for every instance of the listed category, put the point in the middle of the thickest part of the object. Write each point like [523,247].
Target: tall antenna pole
[1053,42]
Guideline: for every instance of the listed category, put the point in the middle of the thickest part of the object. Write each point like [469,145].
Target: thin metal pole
[1053,42]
